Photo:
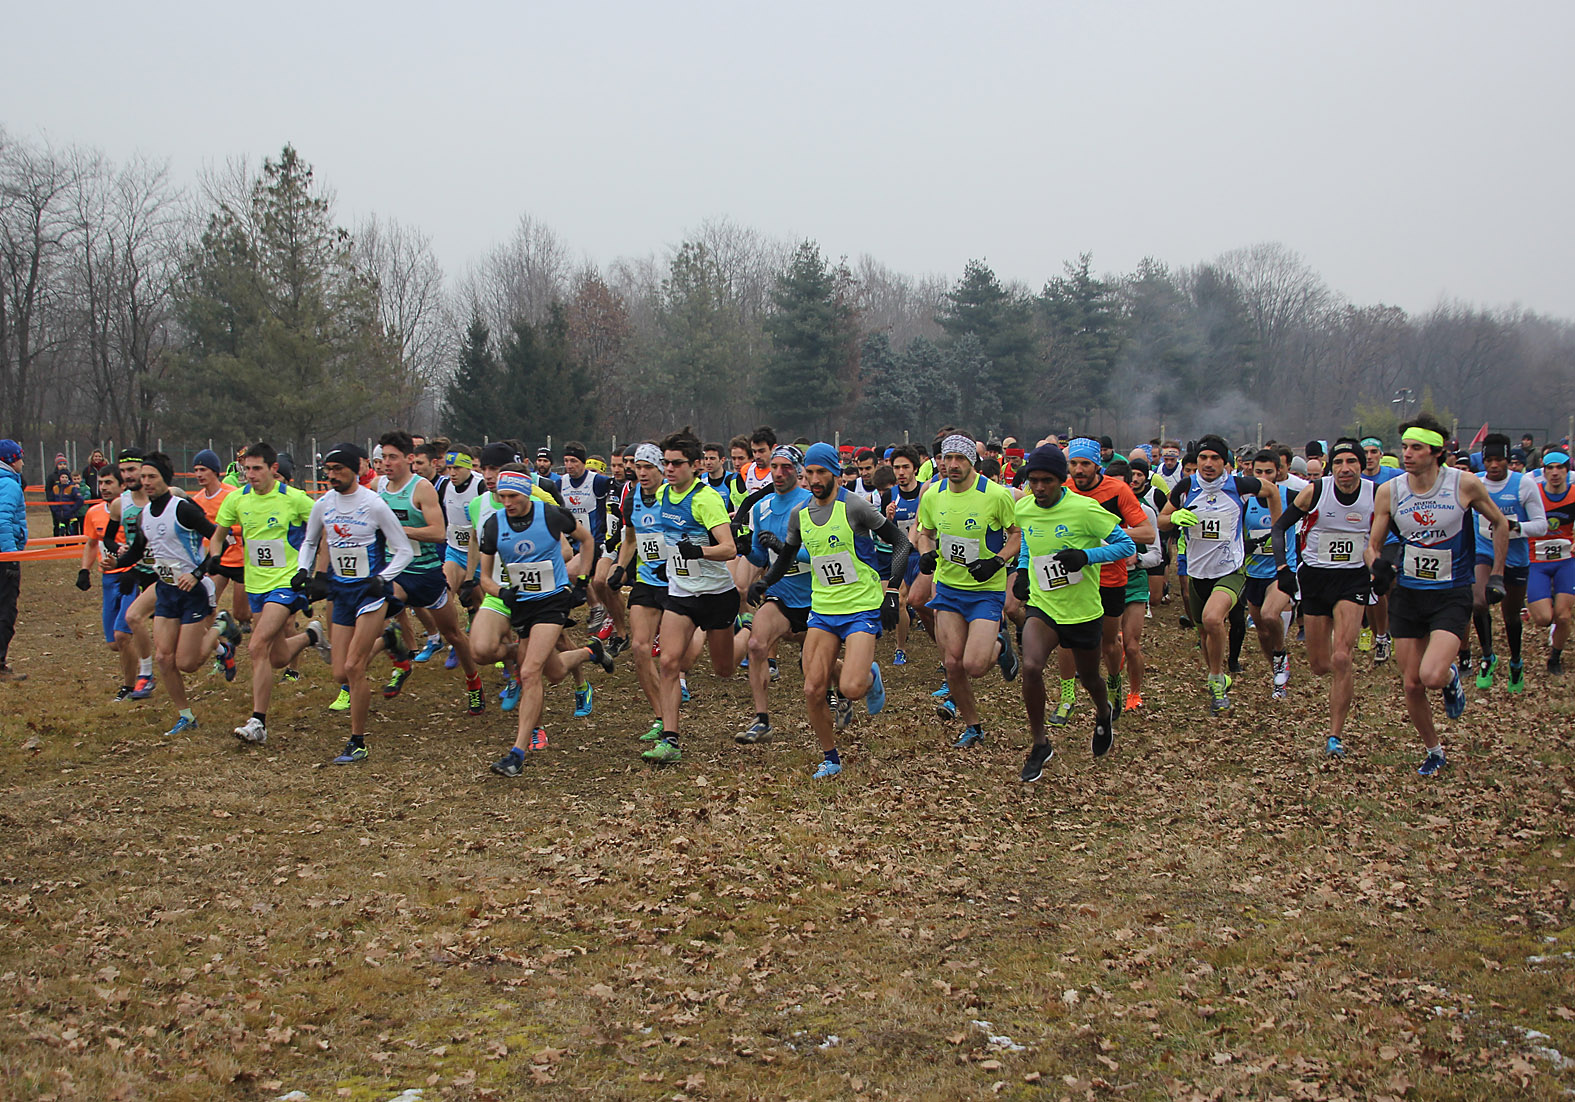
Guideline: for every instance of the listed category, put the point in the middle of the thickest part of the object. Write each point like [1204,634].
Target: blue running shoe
[946,710]
[900,658]
[1432,763]
[1454,697]
[943,692]
[452,660]
[684,691]
[432,647]
[182,725]
[1335,748]
[227,659]
[971,734]
[354,753]
[827,769]
[875,699]
[582,700]
[509,698]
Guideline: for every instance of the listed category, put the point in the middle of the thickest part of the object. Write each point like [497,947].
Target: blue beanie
[1084,447]
[823,455]
[10,451]
[208,458]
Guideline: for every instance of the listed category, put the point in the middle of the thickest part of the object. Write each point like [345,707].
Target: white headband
[648,453]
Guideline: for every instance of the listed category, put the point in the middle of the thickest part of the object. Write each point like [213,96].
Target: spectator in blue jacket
[65,502]
[13,537]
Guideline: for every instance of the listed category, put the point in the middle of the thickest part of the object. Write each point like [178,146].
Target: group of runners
[676,546]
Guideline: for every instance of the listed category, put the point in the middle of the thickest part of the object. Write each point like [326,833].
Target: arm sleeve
[1536,522]
[892,533]
[1117,546]
[1290,516]
[861,514]
[1248,486]
[561,522]
[1178,496]
[742,514]
[131,554]
[489,535]
[314,535]
[789,554]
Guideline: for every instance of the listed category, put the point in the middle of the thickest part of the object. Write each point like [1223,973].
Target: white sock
[435,638]
[145,667]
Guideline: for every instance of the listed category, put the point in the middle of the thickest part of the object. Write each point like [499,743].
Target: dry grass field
[1213,911]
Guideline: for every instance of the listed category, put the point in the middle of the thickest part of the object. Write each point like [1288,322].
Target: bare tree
[898,305]
[520,279]
[413,310]
[1282,294]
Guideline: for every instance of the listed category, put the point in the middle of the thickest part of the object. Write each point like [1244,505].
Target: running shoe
[341,702]
[475,701]
[1186,623]
[353,754]
[946,710]
[182,725]
[144,687]
[597,618]
[123,694]
[538,739]
[1432,763]
[433,644]
[1282,671]
[605,632]
[1334,748]
[900,658]
[971,735]
[617,645]
[827,769]
[1555,666]
[582,700]
[1454,695]
[226,656]
[1007,659]
[1104,735]
[875,699]
[1383,647]
[683,690]
[1517,677]
[663,753]
[1034,767]
[229,630]
[1485,667]
[943,692]
[1134,702]
[775,673]
[1113,685]
[1233,666]
[1364,641]
[843,713]
[1219,696]
[599,655]
[252,731]
[654,734]
[394,643]
[509,698]
[509,765]
[750,735]
[396,681]
[1278,692]
[452,660]
[1062,713]
[289,673]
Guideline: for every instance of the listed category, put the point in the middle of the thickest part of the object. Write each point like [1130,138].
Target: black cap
[497,454]
[346,455]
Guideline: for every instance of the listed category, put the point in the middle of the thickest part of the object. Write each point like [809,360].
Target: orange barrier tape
[47,549]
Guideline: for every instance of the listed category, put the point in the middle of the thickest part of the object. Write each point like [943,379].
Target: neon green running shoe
[342,702]
[663,753]
[654,734]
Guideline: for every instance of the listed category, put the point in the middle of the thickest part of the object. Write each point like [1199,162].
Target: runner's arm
[307,559]
[1118,545]
[1300,505]
[1380,529]
[435,530]
[789,553]
[1536,522]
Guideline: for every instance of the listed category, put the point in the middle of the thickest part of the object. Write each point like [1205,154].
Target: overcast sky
[1409,151]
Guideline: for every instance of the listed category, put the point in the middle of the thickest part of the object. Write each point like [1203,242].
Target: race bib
[1552,550]
[959,550]
[1340,549]
[1258,541]
[1213,525]
[677,565]
[528,577]
[1427,565]
[461,537]
[149,560]
[653,548]
[168,570]
[350,563]
[1050,575]
[266,554]
[834,571]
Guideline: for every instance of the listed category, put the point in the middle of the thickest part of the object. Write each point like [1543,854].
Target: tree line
[132,307]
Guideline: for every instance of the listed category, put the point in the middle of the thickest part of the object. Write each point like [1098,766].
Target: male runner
[1550,587]
[1208,508]
[171,530]
[231,567]
[272,520]
[367,550]
[847,607]
[903,507]
[456,490]
[967,536]
[1269,604]
[1429,615]
[115,600]
[1519,499]
[1063,533]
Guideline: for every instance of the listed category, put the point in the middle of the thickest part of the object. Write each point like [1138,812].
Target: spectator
[95,467]
[13,537]
[65,502]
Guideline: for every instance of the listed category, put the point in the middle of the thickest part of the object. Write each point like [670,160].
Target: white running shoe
[252,731]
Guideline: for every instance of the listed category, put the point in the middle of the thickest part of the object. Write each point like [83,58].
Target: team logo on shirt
[970,523]
[833,540]
[1062,531]
[1353,518]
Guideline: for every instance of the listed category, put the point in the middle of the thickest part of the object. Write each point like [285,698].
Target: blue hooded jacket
[13,510]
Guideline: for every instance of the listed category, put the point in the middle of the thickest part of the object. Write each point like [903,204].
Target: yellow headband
[460,459]
[1423,436]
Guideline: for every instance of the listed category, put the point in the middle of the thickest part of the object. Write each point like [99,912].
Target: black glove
[467,589]
[1495,589]
[983,570]
[757,592]
[771,542]
[742,540]
[689,549]
[206,567]
[317,588]
[927,562]
[888,610]
[298,583]
[615,577]
[577,595]
[1020,585]
[661,572]
[83,583]
[610,544]
[1071,558]
[1383,576]
[376,586]
[508,595]
[1285,578]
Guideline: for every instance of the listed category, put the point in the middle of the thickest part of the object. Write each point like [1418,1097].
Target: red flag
[1479,437]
